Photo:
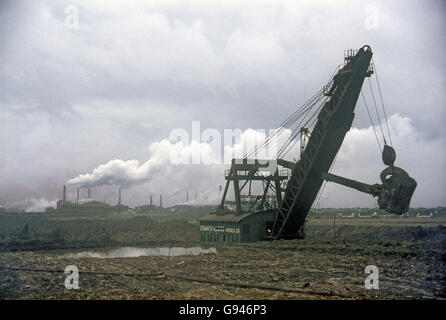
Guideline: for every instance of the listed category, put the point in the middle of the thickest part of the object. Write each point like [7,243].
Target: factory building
[236,228]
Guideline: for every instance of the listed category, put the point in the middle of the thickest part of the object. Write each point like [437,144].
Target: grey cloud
[74,99]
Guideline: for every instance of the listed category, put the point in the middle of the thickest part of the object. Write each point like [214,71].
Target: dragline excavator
[295,195]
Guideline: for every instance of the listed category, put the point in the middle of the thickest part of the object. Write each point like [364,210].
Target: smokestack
[187,196]
[196,195]
[77,197]
[89,194]
[151,200]
[161,200]
[64,194]
[119,200]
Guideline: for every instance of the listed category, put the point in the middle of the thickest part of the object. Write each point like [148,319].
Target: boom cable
[285,124]
[296,131]
[292,119]
[292,140]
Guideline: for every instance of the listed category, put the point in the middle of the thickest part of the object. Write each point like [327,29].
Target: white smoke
[29,205]
[174,162]
[38,205]
[131,172]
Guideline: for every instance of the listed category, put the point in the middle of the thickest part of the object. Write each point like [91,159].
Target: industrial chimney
[77,197]
[64,194]
[119,200]
[161,200]
[151,200]
[89,194]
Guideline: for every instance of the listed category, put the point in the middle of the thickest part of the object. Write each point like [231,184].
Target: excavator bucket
[397,190]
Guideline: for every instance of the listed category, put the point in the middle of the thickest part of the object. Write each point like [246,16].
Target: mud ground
[329,264]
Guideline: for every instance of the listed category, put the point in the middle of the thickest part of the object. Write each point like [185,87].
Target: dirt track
[410,256]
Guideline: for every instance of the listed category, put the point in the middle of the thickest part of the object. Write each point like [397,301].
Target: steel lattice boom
[334,121]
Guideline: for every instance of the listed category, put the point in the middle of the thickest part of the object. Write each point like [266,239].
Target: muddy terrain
[410,254]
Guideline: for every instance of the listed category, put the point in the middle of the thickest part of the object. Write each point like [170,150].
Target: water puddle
[128,252]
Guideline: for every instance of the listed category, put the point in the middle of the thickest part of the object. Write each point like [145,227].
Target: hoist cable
[376,109]
[371,121]
[382,102]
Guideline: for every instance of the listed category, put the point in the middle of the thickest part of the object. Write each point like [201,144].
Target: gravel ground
[410,259]
[314,274]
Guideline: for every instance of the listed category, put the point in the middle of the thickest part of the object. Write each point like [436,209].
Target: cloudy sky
[100,85]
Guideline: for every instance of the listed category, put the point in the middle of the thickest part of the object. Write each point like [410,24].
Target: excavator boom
[334,121]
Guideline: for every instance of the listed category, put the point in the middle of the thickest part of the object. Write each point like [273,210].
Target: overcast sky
[74,97]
